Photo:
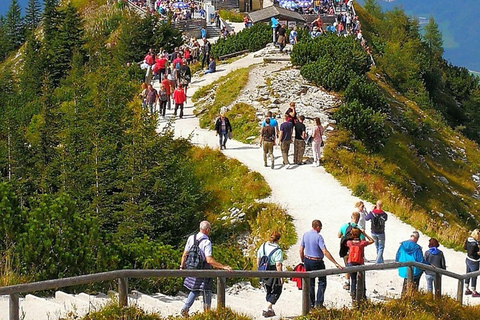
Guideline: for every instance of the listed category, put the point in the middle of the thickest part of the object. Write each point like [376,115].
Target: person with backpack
[162,99]
[345,234]
[356,249]
[206,48]
[267,138]
[198,255]
[473,262]
[378,217]
[184,75]
[270,257]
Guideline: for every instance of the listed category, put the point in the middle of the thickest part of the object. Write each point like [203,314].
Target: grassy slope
[407,173]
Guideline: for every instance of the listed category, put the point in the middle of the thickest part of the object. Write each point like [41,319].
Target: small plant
[231,15]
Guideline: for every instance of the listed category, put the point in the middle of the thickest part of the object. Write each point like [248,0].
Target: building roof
[274,11]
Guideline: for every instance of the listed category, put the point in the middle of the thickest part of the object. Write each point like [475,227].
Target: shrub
[367,93]
[363,122]
[251,39]
[326,73]
[231,15]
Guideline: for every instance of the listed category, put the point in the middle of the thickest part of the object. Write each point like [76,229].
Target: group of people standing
[291,130]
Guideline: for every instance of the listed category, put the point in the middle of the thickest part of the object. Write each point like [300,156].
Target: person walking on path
[179,97]
[168,90]
[360,206]
[435,258]
[317,141]
[344,231]
[299,143]
[378,218]
[273,122]
[356,248]
[223,129]
[312,252]
[410,250]
[285,139]
[162,100]
[206,52]
[472,261]
[273,286]
[200,285]
[152,98]
[267,137]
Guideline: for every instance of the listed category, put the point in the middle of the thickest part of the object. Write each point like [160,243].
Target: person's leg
[220,140]
[295,151]
[474,267]
[353,285]
[225,138]
[380,248]
[207,299]
[322,286]
[181,110]
[270,151]
[189,302]
[301,151]
[309,267]
[468,270]
[175,110]
[430,279]
[265,152]
[283,147]
[169,102]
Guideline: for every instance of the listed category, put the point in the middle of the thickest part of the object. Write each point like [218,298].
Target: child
[356,248]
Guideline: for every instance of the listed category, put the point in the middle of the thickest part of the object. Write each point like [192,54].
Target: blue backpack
[264,260]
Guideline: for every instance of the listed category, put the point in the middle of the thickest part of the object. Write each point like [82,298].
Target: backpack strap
[271,253]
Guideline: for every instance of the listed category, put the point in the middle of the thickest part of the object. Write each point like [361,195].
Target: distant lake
[457,20]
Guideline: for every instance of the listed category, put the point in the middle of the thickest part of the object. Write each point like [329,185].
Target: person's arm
[182,261]
[327,254]
[261,139]
[370,239]
[304,134]
[302,253]
[291,134]
[280,137]
[217,265]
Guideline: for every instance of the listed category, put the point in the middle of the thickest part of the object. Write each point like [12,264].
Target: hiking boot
[184,313]
[269,313]
[468,292]
[475,294]
[266,165]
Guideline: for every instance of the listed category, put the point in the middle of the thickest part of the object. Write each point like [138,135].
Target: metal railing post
[460,291]
[438,285]
[123,292]
[305,296]
[221,292]
[14,307]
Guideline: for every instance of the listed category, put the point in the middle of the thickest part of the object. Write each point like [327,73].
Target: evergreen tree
[14,27]
[32,15]
[49,18]
[433,38]
[3,39]
[373,8]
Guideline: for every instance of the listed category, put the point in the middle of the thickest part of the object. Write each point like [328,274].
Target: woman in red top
[356,248]
[179,98]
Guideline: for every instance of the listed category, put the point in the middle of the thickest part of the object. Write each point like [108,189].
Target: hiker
[356,248]
[152,98]
[273,122]
[317,141]
[281,40]
[200,285]
[410,250]
[345,234]
[212,66]
[285,139]
[223,129]
[166,84]
[267,137]
[312,252]
[360,206]
[273,286]
[179,98]
[291,113]
[378,218]
[472,261]
[206,52]
[299,143]
[162,99]
[184,76]
[435,258]
[293,36]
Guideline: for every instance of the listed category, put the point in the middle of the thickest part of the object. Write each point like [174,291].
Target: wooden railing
[122,277]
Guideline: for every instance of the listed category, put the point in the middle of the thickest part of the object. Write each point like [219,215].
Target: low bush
[363,122]
[251,39]
[367,93]
[327,74]
[231,15]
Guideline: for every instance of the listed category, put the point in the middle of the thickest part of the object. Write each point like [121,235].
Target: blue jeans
[207,299]
[430,280]
[379,240]
[222,138]
[472,266]
[311,265]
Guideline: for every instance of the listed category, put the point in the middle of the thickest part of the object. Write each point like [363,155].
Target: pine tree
[3,39]
[373,8]
[433,38]
[32,15]
[14,27]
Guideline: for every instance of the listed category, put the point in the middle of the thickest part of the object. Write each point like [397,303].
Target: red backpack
[356,253]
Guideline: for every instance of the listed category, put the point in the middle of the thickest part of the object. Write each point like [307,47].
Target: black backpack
[378,223]
[343,241]
[195,258]
[264,260]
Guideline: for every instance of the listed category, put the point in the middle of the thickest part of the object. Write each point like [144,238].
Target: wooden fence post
[438,285]
[460,291]
[14,310]
[305,296]
[123,292]
[360,293]
[221,292]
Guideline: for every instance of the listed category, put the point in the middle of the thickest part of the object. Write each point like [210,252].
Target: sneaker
[269,313]
[346,286]
[475,294]
[468,292]
[266,165]
[184,313]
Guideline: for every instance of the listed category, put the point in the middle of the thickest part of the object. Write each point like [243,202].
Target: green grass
[231,15]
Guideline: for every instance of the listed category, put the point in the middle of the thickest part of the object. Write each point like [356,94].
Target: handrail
[122,276]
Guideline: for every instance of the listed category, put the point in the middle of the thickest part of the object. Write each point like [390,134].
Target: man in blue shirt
[312,252]
[273,122]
